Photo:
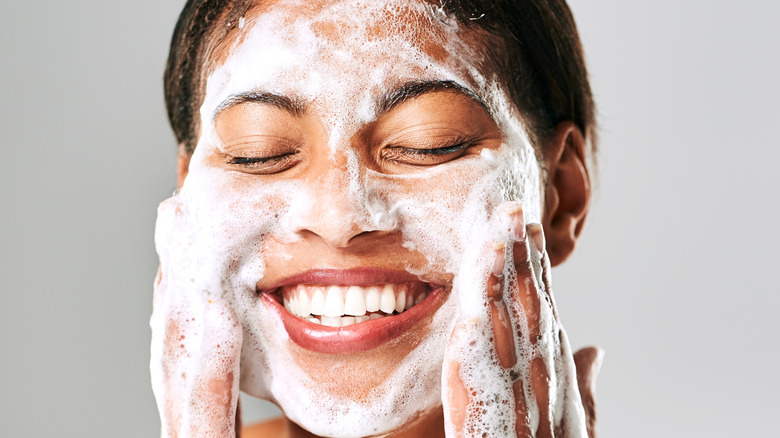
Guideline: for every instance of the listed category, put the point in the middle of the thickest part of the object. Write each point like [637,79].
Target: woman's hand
[508,370]
[196,337]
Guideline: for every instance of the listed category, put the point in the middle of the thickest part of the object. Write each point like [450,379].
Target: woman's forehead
[399,40]
[342,57]
[335,19]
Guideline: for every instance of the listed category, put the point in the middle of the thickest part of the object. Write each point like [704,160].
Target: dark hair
[538,57]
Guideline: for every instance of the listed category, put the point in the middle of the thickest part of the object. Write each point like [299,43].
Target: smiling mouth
[342,306]
[335,311]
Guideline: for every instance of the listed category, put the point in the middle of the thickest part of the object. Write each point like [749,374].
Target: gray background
[673,278]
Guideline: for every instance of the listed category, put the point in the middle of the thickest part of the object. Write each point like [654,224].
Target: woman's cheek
[442,211]
[234,214]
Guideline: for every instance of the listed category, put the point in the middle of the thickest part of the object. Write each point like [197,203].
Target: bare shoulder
[274,428]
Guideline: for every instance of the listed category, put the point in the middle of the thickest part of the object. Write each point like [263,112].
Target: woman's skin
[331,234]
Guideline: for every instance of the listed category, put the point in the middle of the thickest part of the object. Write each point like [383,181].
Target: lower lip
[357,337]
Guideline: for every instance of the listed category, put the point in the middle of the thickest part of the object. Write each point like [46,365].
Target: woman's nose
[342,209]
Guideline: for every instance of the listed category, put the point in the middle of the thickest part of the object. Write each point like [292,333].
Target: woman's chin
[422,423]
[329,380]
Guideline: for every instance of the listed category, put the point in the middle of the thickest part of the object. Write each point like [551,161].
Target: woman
[349,237]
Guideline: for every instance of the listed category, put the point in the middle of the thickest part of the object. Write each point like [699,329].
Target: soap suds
[340,59]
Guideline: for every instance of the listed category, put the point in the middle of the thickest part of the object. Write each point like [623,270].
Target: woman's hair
[538,56]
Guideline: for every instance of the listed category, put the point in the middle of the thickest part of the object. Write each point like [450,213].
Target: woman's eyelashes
[267,165]
[392,157]
[425,155]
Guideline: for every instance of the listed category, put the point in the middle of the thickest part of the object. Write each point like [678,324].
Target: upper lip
[363,276]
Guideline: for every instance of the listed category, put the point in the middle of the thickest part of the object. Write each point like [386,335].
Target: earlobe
[182,165]
[567,194]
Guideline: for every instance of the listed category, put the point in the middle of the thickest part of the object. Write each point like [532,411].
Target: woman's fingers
[525,299]
[524,290]
[540,381]
[503,329]
[535,322]
[588,362]
[512,368]
[196,369]
[531,293]
[196,338]
[503,334]
[456,395]
[522,426]
[484,392]
[214,384]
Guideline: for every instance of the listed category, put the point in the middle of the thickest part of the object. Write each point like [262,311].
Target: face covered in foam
[350,137]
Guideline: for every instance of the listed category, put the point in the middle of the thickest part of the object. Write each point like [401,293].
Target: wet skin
[433,121]
[263,142]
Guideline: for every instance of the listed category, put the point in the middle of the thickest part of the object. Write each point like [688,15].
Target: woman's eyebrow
[289,104]
[412,89]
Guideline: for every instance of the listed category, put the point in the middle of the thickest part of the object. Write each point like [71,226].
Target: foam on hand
[340,59]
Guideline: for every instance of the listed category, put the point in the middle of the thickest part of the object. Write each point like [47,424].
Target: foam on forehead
[340,58]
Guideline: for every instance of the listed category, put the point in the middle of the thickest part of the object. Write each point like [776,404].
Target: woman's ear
[567,195]
[182,165]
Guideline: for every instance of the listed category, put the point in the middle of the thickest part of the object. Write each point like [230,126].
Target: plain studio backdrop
[674,276]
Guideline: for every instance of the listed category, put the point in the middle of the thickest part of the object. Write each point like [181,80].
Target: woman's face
[349,158]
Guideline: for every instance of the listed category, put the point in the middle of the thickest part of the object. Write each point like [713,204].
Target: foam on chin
[442,223]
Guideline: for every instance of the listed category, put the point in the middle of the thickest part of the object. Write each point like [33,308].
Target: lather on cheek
[445,209]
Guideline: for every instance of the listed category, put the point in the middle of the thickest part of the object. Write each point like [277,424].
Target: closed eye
[422,156]
[263,165]
[435,151]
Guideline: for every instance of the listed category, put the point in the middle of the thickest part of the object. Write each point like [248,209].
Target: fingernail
[516,222]
[597,362]
[537,235]
[500,260]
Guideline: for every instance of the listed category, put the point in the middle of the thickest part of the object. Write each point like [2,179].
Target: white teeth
[354,302]
[334,302]
[387,302]
[331,321]
[372,298]
[304,304]
[314,320]
[317,305]
[359,319]
[400,300]
[294,305]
